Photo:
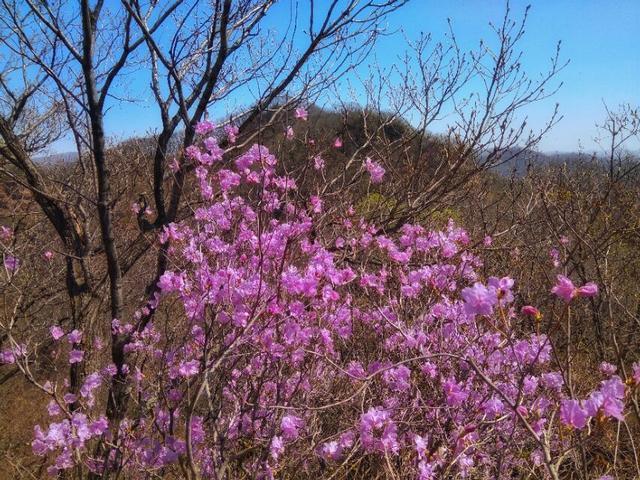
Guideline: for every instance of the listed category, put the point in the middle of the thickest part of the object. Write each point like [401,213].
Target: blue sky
[600,38]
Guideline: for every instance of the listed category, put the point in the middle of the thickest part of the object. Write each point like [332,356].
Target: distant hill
[520,163]
[328,123]
[64,157]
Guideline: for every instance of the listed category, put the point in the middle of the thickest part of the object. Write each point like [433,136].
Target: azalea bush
[298,343]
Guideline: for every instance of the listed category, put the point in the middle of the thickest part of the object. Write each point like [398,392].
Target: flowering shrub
[299,349]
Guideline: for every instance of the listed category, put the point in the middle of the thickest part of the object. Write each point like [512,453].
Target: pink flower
[76,356]
[92,382]
[426,471]
[99,427]
[479,300]
[48,255]
[75,336]
[302,114]
[503,288]
[356,370]
[420,445]
[11,263]
[192,152]
[215,152]
[531,311]
[375,170]
[204,127]
[244,162]
[330,450]
[572,414]
[378,432]
[231,132]
[636,373]
[454,392]
[593,403]
[228,179]
[56,332]
[613,407]
[337,143]
[429,369]
[69,398]
[493,407]
[7,357]
[588,290]
[189,369]
[277,448]
[53,409]
[487,241]
[171,282]
[564,288]
[316,204]
[5,233]
[612,391]
[290,425]
[288,133]
[552,380]
[174,166]
[607,369]
[318,162]
[398,379]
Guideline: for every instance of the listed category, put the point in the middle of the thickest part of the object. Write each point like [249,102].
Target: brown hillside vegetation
[525,215]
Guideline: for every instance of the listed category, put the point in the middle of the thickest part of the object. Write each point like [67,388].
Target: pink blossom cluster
[10,261]
[566,290]
[390,347]
[67,438]
[606,402]
[376,171]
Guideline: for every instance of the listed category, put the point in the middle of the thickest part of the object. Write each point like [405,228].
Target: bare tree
[477,99]
[64,66]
